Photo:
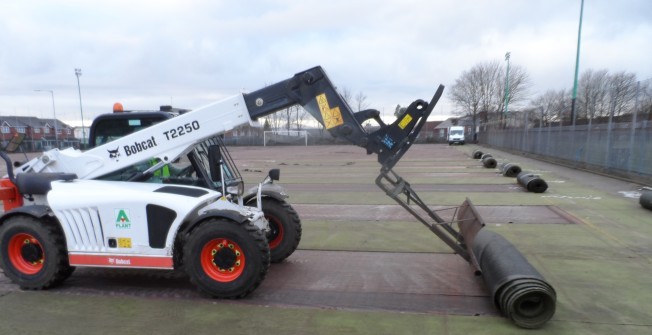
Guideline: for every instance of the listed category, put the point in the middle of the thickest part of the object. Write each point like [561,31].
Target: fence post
[526,120]
[633,133]
[607,161]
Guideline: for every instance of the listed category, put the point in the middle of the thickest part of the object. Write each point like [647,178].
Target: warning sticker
[406,120]
[332,116]
[124,242]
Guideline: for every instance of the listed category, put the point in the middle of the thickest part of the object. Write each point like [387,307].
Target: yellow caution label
[406,120]
[124,242]
[332,116]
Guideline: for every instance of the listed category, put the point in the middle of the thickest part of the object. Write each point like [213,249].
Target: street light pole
[81,111]
[54,112]
[577,65]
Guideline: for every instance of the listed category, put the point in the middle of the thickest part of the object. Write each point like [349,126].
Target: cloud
[188,53]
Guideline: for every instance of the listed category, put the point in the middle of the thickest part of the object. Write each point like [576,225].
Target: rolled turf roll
[489,162]
[646,199]
[533,183]
[510,169]
[517,289]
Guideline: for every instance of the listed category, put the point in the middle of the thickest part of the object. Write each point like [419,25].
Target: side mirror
[215,162]
[274,174]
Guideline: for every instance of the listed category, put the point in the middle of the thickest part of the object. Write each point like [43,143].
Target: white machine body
[124,224]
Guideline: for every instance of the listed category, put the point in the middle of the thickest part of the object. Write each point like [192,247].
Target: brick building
[39,133]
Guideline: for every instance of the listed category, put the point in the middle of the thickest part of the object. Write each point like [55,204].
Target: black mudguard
[36,211]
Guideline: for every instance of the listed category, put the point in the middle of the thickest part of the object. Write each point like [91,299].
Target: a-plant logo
[122,220]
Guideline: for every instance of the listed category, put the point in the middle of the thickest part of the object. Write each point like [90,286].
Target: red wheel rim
[15,252]
[277,232]
[226,273]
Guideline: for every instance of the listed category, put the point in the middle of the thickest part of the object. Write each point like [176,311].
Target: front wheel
[225,259]
[285,228]
[33,253]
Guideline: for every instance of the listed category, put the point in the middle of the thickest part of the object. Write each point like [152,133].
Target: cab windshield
[192,169]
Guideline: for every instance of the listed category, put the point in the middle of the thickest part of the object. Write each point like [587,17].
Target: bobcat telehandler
[59,215]
[284,232]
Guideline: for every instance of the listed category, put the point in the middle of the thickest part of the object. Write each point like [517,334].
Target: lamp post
[506,86]
[577,65]
[54,112]
[81,111]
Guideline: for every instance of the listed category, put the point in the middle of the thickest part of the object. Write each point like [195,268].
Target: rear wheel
[225,259]
[33,253]
[285,228]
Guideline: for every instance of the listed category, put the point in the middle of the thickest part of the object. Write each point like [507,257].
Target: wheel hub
[31,252]
[273,232]
[224,258]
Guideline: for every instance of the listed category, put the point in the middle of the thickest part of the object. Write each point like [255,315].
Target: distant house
[40,134]
[429,132]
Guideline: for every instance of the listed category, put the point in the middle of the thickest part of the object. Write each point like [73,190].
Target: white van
[456,135]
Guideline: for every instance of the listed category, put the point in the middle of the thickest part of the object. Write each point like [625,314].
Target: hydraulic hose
[517,289]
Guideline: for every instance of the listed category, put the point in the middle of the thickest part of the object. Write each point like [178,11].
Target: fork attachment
[465,216]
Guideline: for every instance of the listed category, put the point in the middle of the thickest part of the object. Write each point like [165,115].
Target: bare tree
[645,96]
[481,89]
[547,105]
[593,100]
[275,121]
[519,85]
[347,96]
[283,119]
[550,106]
[361,102]
[622,92]
[467,94]
[300,115]
[479,92]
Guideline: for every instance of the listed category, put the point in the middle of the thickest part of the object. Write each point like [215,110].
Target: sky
[188,53]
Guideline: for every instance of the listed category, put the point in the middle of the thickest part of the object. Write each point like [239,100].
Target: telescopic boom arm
[313,90]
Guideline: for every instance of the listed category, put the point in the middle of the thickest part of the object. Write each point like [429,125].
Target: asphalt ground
[365,266]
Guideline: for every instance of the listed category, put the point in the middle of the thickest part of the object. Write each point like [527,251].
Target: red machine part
[9,195]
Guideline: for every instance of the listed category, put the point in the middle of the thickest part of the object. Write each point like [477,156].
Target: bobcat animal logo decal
[114,153]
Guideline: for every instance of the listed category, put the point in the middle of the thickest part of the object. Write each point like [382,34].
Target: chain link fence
[619,147]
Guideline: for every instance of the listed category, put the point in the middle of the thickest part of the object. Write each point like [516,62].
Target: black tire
[285,228]
[33,253]
[225,259]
